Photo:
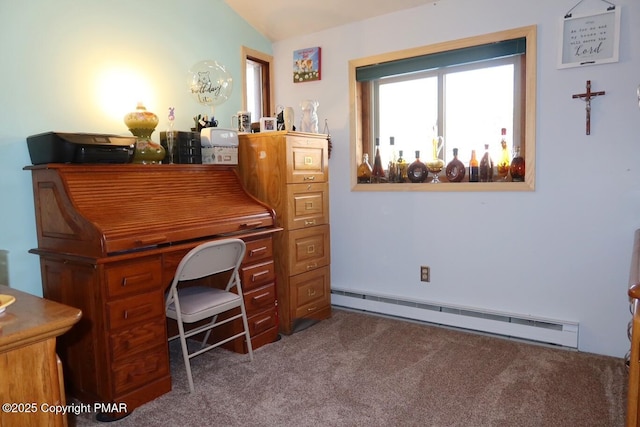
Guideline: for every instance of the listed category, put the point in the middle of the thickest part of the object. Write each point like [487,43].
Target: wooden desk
[110,238]
[30,371]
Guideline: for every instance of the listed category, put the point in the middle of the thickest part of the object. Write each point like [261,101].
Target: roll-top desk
[109,240]
[290,172]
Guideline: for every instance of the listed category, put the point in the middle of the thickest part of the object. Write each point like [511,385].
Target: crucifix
[587,98]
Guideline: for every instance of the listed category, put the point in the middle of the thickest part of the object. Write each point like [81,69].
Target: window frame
[361,94]
[268,105]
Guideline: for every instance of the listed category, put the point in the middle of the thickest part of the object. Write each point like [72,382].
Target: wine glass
[435,166]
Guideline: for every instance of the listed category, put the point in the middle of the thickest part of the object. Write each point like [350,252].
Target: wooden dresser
[110,238]
[32,380]
[633,391]
[290,172]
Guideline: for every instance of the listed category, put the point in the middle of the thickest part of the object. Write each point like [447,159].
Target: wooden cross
[587,98]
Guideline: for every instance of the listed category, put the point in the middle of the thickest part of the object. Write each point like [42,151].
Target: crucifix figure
[587,98]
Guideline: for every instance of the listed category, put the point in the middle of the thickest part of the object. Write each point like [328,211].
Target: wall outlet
[425,274]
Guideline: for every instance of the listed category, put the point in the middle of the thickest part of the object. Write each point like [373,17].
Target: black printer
[62,147]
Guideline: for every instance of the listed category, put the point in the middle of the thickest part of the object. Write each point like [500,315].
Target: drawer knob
[310,222]
[310,178]
[312,265]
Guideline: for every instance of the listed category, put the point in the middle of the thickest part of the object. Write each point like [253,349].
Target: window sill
[472,187]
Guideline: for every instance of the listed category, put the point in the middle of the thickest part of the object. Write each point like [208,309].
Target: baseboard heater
[548,331]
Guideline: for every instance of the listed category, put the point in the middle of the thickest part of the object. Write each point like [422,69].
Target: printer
[63,147]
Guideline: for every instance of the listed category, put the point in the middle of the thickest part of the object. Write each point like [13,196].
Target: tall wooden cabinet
[289,171]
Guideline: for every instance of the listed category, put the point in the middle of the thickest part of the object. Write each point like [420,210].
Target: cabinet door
[307,159]
[310,292]
[308,205]
[308,249]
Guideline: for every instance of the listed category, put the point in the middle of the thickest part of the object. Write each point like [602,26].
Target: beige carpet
[357,369]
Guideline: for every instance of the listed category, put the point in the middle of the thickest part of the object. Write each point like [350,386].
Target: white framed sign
[590,39]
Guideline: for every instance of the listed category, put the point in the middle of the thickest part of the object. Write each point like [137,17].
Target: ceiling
[283,19]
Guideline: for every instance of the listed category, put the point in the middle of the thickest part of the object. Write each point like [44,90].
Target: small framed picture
[307,64]
[268,124]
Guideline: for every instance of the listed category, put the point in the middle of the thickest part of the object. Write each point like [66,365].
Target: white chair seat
[196,303]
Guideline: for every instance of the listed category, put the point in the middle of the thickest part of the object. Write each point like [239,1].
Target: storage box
[219,146]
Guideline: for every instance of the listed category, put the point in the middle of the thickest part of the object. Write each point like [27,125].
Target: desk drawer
[128,311]
[310,292]
[307,160]
[308,205]
[137,371]
[262,321]
[255,275]
[258,250]
[131,277]
[309,249]
[137,339]
[260,298]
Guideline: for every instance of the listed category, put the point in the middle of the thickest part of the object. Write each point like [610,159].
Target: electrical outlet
[425,274]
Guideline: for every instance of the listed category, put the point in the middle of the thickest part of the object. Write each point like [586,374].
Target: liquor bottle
[486,166]
[402,167]
[417,171]
[505,158]
[392,173]
[455,170]
[473,167]
[377,175]
[517,166]
[364,170]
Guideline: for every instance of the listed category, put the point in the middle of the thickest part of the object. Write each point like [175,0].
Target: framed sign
[307,65]
[590,39]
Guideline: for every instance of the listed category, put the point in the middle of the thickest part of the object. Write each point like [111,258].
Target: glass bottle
[517,166]
[417,171]
[455,170]
[364,170]
[392,173]
[377,174]
[402,166]
[505,158]
[473,167]
[485,170]
[436,164]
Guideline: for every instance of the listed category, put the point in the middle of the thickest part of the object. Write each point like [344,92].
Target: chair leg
[185,355]
[246,332]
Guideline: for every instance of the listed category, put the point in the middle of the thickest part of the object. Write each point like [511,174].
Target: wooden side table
[31,381]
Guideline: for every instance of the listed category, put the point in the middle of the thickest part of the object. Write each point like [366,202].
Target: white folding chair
[196,303]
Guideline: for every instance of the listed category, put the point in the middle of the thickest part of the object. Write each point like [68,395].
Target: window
[465,91]
[257,84]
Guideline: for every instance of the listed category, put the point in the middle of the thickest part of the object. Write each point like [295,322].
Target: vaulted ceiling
[283,19]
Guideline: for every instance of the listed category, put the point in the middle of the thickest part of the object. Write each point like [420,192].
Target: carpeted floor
[357,369]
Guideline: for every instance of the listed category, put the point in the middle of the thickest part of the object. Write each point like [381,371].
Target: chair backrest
[211,258]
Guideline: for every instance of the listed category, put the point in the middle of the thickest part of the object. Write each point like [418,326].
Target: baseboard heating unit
[548,331]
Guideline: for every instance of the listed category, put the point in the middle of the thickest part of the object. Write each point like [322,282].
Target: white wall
[560,252]
[54,54]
